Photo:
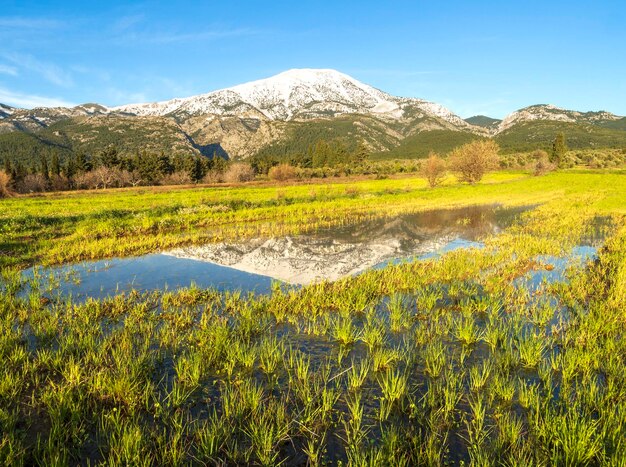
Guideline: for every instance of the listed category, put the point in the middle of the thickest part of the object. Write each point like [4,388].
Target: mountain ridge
[259,116]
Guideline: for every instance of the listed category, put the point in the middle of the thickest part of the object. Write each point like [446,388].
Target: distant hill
[90,135]
[484,121]
[529,135]
[419,145]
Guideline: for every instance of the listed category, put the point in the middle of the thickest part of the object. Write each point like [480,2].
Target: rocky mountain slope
[546,112]
[287,113]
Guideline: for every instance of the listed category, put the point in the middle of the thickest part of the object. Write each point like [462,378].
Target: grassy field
[452,360]
[70,227]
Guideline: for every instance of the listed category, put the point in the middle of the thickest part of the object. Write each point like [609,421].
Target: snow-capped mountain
[285,96]
[301,94]
[291,109]
[295,94]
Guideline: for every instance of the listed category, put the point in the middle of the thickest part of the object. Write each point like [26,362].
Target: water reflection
[252,265]
[347,250]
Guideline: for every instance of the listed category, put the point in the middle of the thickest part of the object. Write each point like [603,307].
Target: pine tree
[44,167]
[361,153]
[320,154]
[164,164]
[218,163]
[110,157]
[19,172]
[559,149]
[83,164]
[129,163]
[8,168]
[70,168]
[197,171]
[152,167]
[56,165]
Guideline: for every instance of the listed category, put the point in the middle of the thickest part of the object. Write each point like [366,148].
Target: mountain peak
[299,93]
[304,77]
[310,73]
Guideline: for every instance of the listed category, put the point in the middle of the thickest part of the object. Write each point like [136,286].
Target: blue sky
[475,57]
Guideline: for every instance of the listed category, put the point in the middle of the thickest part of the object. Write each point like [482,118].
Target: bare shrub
[5,184]
[105,177]
[542,164]
[59,183]
[33,183]
[239,172]
[282,172]
[86,180]
[177,178]
[213,176]
[127,178]
[433,169]
[101,177]
[472,160]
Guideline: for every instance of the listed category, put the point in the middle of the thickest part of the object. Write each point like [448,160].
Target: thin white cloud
[29,100]
[126,22]
[17,22]
[8,70]
[102,75]
[49,71]
[178,37]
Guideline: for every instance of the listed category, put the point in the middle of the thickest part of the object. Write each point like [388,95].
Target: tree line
[322,153]
[108,169]
[111,169]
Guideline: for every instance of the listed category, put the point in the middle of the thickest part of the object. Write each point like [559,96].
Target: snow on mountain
[288,95]
[41,117]
[438,110]
[6,111]
[91,109]
[295,94]
[301,94]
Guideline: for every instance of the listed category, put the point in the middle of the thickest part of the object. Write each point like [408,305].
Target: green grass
[441,361]
[91,225]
